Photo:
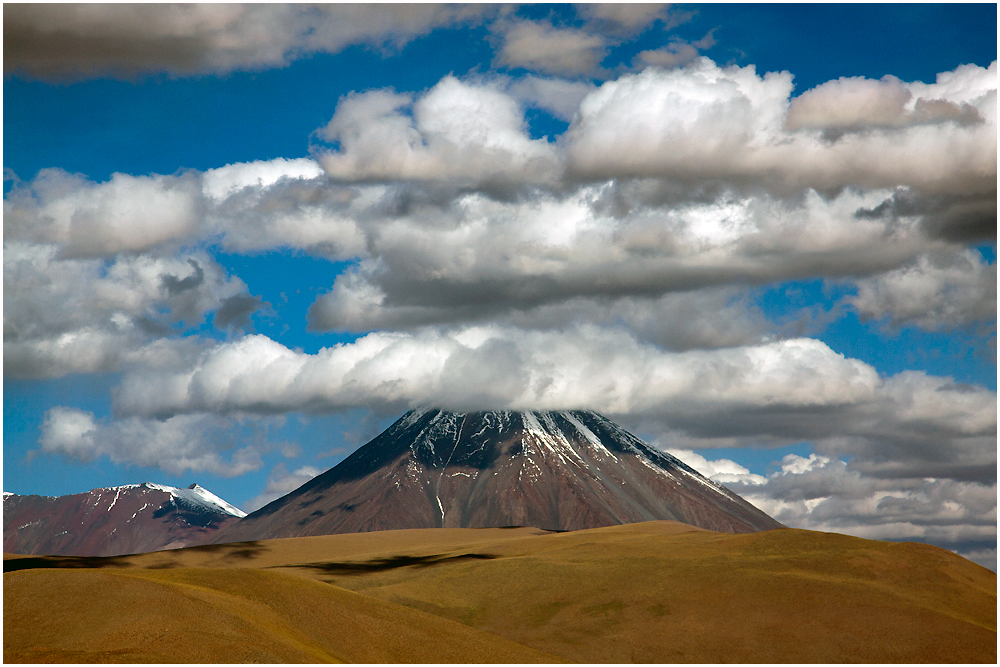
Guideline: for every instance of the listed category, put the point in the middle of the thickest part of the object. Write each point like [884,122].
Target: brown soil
[648,592]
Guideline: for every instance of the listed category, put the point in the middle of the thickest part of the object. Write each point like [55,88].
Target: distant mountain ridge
[113,521]
[557,470]
[564,470]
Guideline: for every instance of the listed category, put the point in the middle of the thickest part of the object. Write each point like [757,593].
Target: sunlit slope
[224,615]
[649,592]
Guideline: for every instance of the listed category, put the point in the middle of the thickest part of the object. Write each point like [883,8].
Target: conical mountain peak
[559,470]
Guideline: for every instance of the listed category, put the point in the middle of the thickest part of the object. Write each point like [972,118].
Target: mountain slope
[565,470]
[113,521]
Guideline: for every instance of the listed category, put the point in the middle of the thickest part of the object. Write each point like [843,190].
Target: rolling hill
[646,592]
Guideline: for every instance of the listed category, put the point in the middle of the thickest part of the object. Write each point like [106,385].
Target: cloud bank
[828,494]
[910,424]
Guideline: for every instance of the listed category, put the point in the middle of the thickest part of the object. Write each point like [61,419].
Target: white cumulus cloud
[935,292]
[480,367]
[719,470]
[86,315]
[460,133]
[196,443]
[907,425]
[704,122]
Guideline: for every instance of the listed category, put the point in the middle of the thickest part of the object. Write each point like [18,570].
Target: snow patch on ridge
[144,506]
[655,468]
[588,435]
[651,456]
[199,497]
[412,417]
[117,493]
[550,436]
[204,496]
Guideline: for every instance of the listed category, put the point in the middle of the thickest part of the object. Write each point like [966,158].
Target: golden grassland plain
[648,592]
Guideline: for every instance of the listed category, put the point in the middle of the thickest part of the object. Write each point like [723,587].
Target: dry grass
[224,615]
[650,592]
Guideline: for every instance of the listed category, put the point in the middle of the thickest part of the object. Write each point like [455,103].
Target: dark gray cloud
[175,285]
[955,218]
[53,41]
[917,426]
[235,311]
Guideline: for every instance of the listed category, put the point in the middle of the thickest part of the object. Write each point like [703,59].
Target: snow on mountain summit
[109,521]
[557,470]
[199,496]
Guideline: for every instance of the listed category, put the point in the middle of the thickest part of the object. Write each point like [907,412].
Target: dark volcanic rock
[564,470]
[113,521]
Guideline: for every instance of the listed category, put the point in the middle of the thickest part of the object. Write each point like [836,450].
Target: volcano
[113,521]
[565,470]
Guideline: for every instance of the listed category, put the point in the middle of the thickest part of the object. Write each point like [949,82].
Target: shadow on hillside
[547,530]
[244,550]
[391,563]
[78,562]
[232,550]
[228,551]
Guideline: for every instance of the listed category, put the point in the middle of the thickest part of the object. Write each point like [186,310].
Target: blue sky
[740,230]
